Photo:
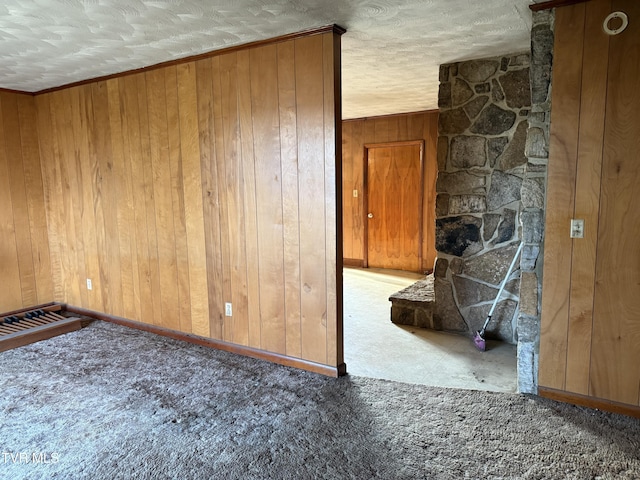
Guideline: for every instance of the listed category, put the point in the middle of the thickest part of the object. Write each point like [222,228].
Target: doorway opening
[396,186]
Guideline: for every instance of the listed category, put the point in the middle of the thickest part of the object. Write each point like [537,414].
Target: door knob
[370,215]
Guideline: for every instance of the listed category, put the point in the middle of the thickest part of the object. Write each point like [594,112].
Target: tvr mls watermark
[30,457]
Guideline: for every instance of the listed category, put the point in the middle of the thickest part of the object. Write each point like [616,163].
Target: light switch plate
[577,228]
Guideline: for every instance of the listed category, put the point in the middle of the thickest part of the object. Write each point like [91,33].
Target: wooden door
[394,205]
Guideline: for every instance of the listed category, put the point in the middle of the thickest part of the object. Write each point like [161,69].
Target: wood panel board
[310,105]
[561,193]
[268,174]
[588,173]
[616,329]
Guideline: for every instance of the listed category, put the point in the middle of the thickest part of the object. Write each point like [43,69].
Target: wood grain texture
[268,174]
[311,181]
[183,188]
[616,330]
[587,200]
[394,195]
[563,151]
[591,301]
[25,266]
[290,195]
[394,128]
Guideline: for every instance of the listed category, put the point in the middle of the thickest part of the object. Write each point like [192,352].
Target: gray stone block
[453,122]
[491,221]
[529,294]
[507,227]
[460,92]
[516,85]
[444,73]
[513,155]
[468,151]
[440,270]
[504,189]
[482,88]
[536,145]
[540,82]
[475,106]
[443,152]
[446,315]
[492,266]
[459,182]
[532,226]
[497,94]
[477,71]
[541,45]
[520,60]
[528,328]
[469,292]
[467,204]
[493,120]
[529,257]
[501,325]
[444,95]
[533,193]
[456,265]
[495,148]
[442,205]
[527,367]
[402,315]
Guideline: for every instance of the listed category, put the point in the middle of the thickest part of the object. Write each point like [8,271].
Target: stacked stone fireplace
[492,166]
[481,191]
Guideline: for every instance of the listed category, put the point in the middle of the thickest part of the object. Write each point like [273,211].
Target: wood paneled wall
[183,188]
[591,285]
[25,269]
[394,128]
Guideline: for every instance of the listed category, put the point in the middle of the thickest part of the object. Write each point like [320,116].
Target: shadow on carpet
[111,402]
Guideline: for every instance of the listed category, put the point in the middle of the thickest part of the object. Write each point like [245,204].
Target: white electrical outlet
[89,284]
[227,309]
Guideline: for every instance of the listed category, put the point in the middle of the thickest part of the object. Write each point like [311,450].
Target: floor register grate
[23,327]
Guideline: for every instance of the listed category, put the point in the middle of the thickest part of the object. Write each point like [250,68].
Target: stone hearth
[414,305]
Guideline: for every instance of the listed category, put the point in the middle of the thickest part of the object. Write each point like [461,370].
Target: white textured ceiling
[390,53]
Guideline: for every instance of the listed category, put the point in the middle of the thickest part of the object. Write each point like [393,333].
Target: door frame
[365,195]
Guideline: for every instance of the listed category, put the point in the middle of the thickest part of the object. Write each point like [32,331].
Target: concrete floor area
[375,347]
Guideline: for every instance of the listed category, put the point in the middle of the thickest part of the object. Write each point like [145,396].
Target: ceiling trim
[18,92]
[403,114]
[554,4]
[336,29]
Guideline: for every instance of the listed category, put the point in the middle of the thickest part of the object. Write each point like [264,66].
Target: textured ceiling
[390,53]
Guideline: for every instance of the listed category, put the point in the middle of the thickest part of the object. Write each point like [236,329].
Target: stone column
[533,201]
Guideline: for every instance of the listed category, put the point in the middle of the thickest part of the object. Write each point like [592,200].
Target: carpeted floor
[108,402]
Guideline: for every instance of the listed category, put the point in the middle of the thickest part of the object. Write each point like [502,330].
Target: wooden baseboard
[353,262]
[591,402]
[285,360]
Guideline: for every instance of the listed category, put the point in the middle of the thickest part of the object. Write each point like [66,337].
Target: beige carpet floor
[375,347]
